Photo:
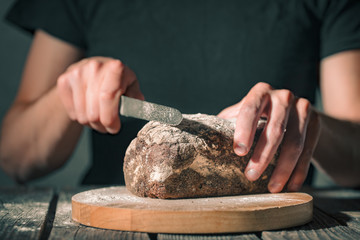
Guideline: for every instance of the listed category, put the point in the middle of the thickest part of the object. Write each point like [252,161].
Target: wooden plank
[23,212]
[322,227]
[336,216]
[342,204]
[245,236]
[65,228]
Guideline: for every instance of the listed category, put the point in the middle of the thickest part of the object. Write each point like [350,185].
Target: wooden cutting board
[116,208]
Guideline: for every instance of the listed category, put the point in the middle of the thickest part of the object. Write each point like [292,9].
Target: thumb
[134,91]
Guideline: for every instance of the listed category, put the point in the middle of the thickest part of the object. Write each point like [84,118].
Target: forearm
[37,138]
[338,152]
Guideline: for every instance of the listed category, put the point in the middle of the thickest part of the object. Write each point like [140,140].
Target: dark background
[14,45]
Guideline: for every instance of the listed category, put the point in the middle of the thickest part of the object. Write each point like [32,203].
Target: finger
[134,91]
[230,112]
[292,146]
[66,95]
[272,134]
[98,127]
[131,85]
[250,109]
[109,96]
[78,85]
[312,136]
[93,76]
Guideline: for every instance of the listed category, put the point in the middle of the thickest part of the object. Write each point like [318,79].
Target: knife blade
[131,107]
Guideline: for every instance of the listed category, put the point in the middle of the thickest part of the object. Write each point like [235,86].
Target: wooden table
[45,213]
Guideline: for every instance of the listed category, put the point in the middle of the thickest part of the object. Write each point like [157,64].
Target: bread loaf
[193,159]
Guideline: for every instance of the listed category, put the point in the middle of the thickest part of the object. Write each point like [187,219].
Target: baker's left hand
[290,120]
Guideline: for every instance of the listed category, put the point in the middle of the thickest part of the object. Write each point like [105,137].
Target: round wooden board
[116,208]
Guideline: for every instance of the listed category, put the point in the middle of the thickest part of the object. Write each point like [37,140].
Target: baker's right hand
[91,88]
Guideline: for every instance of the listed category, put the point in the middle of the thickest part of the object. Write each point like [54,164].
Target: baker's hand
[90,91]
[290,119]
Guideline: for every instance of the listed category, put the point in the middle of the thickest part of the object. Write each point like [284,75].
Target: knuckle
[62,81]
[277,131]
[297,146]
[107,95]
[83,61]
[274,134]
[75,75]
[283,98]
[304,106]
[304,111]
[263,86]
[93,64]
[286,96]
[116,64]
[304,102]
[72,66]
[250,108]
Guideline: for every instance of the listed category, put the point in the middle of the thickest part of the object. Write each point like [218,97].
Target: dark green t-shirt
[197,56]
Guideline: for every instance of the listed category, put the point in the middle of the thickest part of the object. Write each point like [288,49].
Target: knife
[131,107]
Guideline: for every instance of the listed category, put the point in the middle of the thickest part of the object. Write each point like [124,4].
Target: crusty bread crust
[193,159]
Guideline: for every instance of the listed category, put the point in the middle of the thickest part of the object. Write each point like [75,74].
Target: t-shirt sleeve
[60,18]
[340,27]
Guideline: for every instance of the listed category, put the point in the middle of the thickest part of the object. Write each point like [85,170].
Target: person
[241,59]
